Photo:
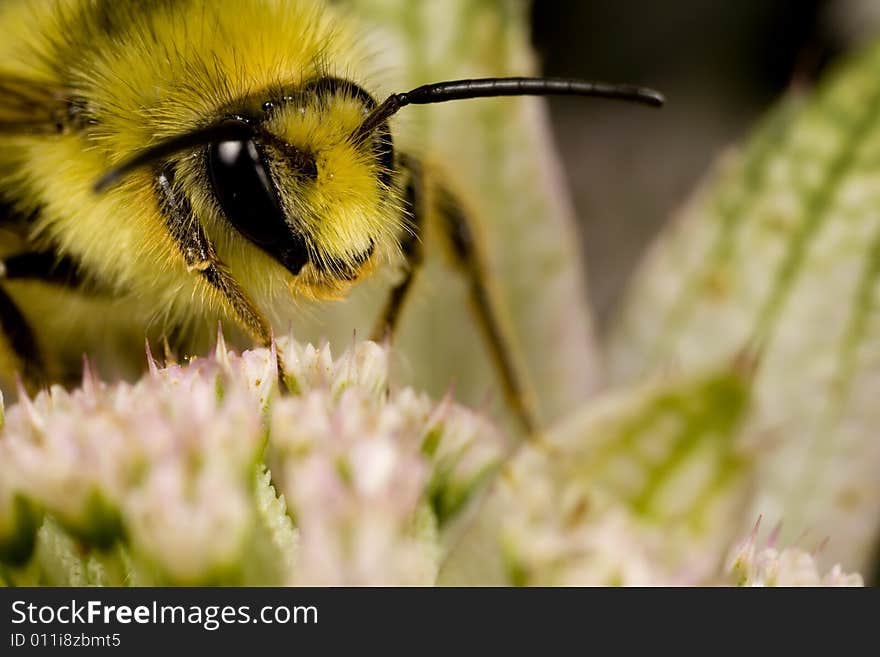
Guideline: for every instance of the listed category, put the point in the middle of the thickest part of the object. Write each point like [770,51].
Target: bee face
[303,188]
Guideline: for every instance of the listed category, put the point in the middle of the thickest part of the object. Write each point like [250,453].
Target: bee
[165,164]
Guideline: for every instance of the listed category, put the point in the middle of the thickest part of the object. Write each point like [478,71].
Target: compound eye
[248,198]
[244,190]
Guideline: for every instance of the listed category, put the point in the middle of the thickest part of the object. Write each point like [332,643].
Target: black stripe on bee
[44,266]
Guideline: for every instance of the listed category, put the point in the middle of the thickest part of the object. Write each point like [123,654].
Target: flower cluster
[208,473]
[164,481]
[752,564]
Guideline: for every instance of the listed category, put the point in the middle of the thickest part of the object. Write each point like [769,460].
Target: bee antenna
[440,92]
[229,130]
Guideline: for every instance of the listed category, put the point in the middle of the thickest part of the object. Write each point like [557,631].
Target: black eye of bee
[247,196]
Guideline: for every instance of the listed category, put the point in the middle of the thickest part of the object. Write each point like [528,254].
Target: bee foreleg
[202,260]
[410,245]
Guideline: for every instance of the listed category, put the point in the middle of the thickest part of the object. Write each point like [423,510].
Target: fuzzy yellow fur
[154,69]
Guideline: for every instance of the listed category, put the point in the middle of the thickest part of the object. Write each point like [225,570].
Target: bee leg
[201,259]
[411,246]
[45,267]
[466,254]
[22,342]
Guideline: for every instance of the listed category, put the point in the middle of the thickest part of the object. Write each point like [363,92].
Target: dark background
[721,64]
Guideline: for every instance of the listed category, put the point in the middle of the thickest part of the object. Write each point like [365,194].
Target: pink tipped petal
[151,362]
[443,408]
[756,528]
[30,410]
[89,381]
[221,354]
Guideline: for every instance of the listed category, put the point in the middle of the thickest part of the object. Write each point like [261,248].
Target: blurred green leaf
[780,251]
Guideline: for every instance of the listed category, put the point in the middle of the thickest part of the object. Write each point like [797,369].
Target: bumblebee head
[293,176]
[300,185]
[308,177]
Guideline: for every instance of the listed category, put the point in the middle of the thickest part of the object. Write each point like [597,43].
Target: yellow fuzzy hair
[148,70]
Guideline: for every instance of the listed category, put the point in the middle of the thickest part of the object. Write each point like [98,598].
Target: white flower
[172,470]
[751,564]
[165,464]
[367,473]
